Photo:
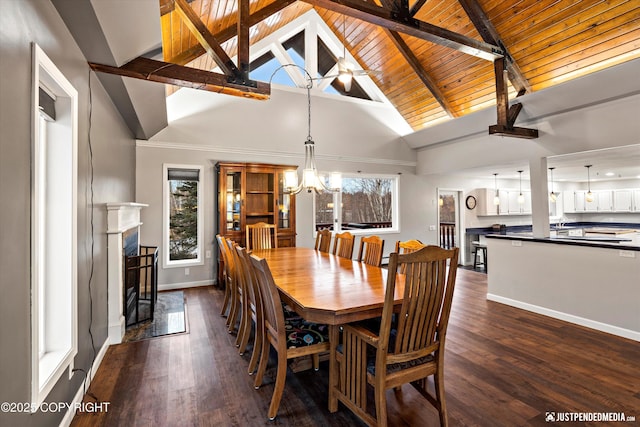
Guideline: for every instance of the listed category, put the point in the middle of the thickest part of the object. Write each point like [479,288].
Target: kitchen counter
[630,242]
[608,226]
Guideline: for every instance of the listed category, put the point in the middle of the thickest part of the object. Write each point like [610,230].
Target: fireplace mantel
[120,218]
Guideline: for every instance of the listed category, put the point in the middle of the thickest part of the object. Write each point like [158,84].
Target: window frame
[54,242]
[199,260]
[337,202]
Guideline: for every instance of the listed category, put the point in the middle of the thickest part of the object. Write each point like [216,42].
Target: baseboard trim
[183,285]
[77,399]
[592,324]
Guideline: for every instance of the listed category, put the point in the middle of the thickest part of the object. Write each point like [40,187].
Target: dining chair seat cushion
[301,333]
[289,313]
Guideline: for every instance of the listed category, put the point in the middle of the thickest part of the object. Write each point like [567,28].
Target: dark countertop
[483,231]
[596,241]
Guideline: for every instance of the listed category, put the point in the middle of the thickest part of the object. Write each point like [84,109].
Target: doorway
[449,220]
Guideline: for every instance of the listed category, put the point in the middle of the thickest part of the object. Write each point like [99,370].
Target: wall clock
[471,202]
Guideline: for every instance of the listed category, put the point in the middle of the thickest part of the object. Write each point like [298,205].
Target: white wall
[206,128]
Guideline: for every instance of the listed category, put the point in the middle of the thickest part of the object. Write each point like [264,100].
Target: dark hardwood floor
[504,367]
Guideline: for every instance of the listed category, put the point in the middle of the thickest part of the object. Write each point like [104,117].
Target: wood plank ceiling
[546,41]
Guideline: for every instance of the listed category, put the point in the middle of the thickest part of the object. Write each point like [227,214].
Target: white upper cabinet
[623,200]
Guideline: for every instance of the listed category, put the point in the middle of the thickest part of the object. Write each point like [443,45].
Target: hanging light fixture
[496,197]
[552,196]
[345,68]
[589,196]
[311,181]
[520,196]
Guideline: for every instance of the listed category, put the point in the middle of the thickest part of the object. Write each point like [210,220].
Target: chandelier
[311,180]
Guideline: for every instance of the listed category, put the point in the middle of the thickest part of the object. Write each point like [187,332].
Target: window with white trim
[366,203]
[53,227]
[183,215]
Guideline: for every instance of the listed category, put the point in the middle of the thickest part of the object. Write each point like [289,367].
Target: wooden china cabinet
[249,193]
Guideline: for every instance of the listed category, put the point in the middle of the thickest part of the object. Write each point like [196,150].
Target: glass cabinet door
[284,204]
[234,202]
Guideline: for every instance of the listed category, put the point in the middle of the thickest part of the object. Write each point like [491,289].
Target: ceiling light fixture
[589,195]
[552,196]
[345,68]
[311,181]
[496,198]
[520,196]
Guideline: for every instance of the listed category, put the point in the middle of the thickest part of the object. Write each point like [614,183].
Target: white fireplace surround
[121,217]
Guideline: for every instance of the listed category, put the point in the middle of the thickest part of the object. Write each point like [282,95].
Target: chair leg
[439,386]
[281,376]
[264,358]
[316,361]
[475,259]
[225,303]
[381,405]
[245,325]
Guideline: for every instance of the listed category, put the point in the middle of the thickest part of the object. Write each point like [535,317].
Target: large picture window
[183,214]
[366,202]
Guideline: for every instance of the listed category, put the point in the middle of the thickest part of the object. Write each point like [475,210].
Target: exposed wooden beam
[385,18]
[507,116]
[164,72]
[490,35]
[243,37]
[228,33]
[419,70]
[417,6]
[206,39]
[167,6]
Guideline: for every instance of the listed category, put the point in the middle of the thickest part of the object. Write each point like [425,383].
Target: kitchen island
[594,282]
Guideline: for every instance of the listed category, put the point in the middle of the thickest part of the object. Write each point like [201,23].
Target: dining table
[325,288]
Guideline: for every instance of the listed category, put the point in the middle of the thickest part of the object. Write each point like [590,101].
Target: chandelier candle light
[311,181]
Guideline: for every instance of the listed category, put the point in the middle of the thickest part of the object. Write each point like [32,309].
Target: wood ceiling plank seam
[419,116]
[590,60]
[500,10]
[578,42]
[212,45]
[229,32]
[434,14]
[421,29]
[555,24]
[422,74]
[165,30]
[469,83]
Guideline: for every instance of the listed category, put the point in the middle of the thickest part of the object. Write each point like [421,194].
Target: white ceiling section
[113,32]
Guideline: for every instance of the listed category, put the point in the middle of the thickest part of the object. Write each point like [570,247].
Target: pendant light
[552,196]
[589,196]
[311,181]
[520,196]
[496,197]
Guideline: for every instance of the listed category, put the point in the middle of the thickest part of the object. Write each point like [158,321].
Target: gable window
[53,227]
[366,203]
[182,215]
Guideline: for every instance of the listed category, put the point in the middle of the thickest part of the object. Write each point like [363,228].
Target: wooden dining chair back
[291,337]
[408,246]
[253,305]
[234,284]
[343,245]
[222,247]
[407,350]
[261,236]
[370,252]
[323,240]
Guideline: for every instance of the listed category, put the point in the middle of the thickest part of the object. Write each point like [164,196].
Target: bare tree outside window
[183,219]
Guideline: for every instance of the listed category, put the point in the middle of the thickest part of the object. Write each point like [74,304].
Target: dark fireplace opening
[140,288]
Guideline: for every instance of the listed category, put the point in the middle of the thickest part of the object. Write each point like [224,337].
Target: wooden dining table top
[326,288]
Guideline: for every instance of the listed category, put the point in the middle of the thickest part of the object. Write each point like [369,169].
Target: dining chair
[261,236]
[409,352]
[370,252]
[408,246]
[343,245]
[291,337]
[227,289]
[253,311]
[323,240]
[234,284]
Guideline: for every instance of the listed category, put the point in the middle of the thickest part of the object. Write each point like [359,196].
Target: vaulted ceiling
[434,57]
